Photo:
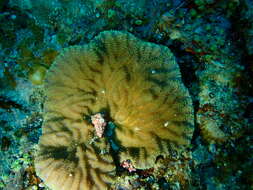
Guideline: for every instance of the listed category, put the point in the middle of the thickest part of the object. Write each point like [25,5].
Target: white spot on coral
[166,124]
[103,151]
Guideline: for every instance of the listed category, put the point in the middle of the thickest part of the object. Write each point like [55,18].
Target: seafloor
[212,41]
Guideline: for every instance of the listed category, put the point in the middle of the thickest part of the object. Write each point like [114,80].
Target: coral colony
[73,88]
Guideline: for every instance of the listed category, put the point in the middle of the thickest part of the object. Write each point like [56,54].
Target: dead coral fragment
[140,85]
[99,123]
[128,165]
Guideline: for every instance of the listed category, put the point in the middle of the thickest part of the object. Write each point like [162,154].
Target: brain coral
[137,83]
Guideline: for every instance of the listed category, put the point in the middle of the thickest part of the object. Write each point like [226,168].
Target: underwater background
[212,41]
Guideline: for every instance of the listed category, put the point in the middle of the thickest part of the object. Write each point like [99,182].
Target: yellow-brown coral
[138,83]
[65,163]
[210,130]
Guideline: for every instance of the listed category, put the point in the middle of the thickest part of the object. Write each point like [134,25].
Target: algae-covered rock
[37,75]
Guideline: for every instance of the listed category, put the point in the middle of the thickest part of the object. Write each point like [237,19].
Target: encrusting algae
[136,84]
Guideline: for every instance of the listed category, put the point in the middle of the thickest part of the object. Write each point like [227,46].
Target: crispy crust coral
[137,83]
